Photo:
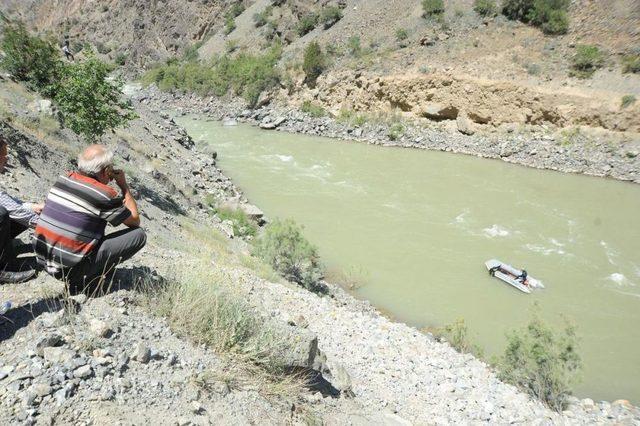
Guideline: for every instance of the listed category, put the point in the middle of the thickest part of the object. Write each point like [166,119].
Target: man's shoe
[7,277]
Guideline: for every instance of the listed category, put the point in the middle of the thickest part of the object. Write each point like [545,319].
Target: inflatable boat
[511,276]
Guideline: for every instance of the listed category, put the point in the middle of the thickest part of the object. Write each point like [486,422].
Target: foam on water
[496,231]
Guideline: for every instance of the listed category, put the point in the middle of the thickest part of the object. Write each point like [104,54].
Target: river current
[411,230]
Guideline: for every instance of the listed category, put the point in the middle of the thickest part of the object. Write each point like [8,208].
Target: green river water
[416,226]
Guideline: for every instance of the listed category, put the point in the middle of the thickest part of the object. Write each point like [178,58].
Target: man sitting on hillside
[15,218]
[70,237]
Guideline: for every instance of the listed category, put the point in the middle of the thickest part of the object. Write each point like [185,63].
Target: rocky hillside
[119,357]
[489,69]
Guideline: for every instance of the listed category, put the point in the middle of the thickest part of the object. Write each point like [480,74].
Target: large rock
[57,355]
[299,347]
[100,328]
[440,112]
[252,211]
[464,125]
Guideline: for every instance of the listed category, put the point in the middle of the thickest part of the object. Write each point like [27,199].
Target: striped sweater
[73,221]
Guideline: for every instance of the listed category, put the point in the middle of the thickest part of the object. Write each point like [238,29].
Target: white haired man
[70,240]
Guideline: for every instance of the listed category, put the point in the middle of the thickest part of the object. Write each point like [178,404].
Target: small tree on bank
[314,63]
[90,104]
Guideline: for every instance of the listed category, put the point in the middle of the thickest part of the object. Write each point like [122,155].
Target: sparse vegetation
[586,61]
[627,100]
[312,109]
[91,105]
[401,35]
[246,75]
[432,8]
[200,304]
[329,16]
[284,248]
[242,225]
[121,59]
[396,130]
[541,362]
[457,334]
[353,46]
[631,63]
[532,69]
[307,23]
[550,15]
[262,18]
[314,62]
[229,25]
[30,59]
[484,7]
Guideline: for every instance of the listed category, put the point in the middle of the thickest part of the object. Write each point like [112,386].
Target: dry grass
[202,304]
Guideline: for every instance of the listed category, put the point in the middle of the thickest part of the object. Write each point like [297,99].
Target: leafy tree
[541,361]
[30,59]
[314,62]
[550,15]
[89,103]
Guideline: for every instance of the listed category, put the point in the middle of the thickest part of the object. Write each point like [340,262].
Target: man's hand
[118,176]
[37,207]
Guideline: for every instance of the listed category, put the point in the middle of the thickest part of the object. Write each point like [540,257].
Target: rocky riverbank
[571,150]
[109,359]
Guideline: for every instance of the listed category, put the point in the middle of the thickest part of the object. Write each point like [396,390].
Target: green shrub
[30,59]
[456,334]
[314,62]
[229,25]
[261,19]
[550,15]
[121,59]
[631,63]
[402,34]
[396,130]
[484,7]
[627,100]
[354,46]
[191,53]
[284,248]
[586,61]
[89,103]
[246,74]
[307,23]
[242,225]
[329,16]
[432,8]
[541,362]
[313,109]
[236,10]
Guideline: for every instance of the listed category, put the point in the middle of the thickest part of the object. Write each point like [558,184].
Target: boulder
[100,328]
[440,112]
[51,340]
[141,353]
[229,122]
[299,347]
[464,125]
[56,355]
[252,211]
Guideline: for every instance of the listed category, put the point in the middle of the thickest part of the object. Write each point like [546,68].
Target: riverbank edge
[214,110]
[566,151]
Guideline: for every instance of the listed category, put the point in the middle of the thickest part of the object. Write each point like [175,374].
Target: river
[413,229]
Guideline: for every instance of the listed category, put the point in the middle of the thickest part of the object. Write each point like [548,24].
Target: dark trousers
[8,231]
[89,275]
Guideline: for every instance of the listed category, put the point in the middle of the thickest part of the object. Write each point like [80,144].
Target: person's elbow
[132,221]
